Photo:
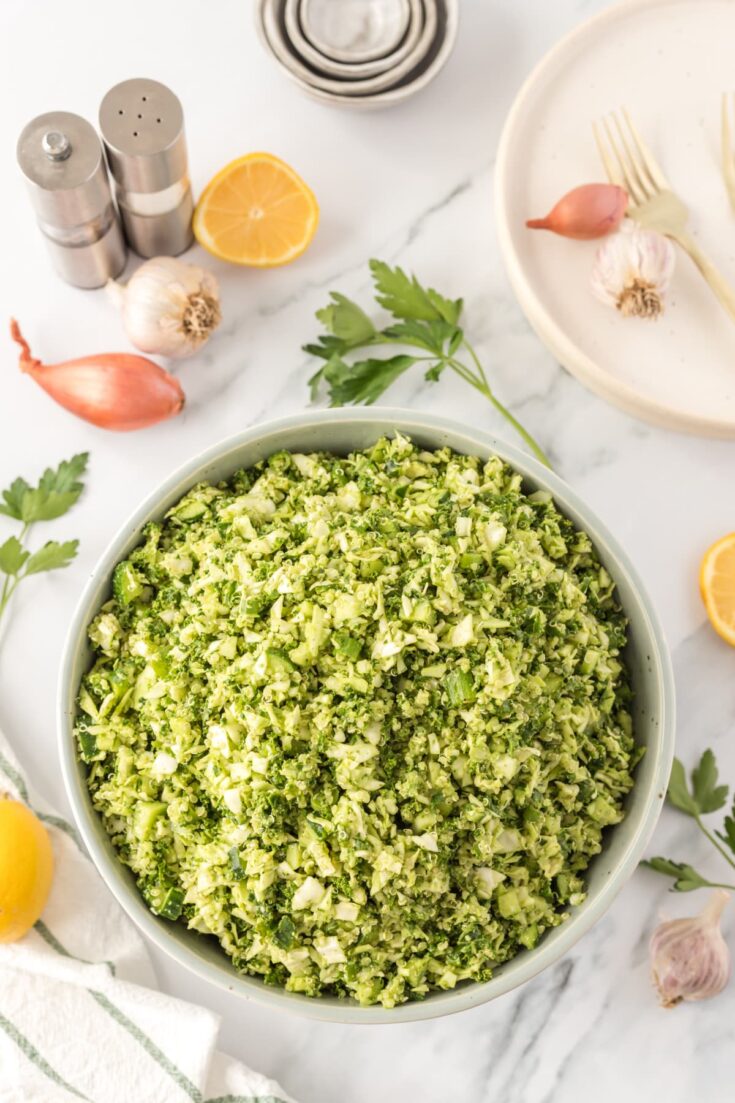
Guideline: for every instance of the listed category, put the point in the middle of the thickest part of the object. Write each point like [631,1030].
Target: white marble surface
[413,185]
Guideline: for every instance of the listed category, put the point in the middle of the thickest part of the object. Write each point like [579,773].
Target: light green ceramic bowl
[342,431]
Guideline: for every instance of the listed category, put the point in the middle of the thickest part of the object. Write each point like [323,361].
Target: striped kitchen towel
[79,1017]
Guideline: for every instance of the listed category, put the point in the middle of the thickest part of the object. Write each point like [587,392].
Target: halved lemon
[717,583]
[26,868]
[257,211]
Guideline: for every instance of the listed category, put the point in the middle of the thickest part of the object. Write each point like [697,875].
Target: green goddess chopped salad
[363,719]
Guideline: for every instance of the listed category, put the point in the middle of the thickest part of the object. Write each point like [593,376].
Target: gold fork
[728,156]
[651,202]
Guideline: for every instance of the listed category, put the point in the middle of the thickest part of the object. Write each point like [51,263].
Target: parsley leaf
[686,878]
[404,297]
[423,319]
[433,374]
[51,556]
[57,491]
[705,796]
[12,556]
[710,796]
[438,336]
[346,321]
[326,346]
[728,835]
[678,790]
[12,504]
[362,382]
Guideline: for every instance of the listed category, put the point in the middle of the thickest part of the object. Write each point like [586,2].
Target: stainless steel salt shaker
[62,160]
[142,125]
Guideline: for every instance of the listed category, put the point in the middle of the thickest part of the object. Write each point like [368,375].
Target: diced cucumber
[371,568]
[278,661]
[127,583]
[87,745]
[87,704]
[423,612]
[284,933]
[347,645]
[147,812]
[460,687]
[190,511]
[529,937]
[236,869]
[172,904]
[508,903]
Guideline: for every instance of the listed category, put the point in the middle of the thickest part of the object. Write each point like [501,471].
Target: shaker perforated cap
[142,125]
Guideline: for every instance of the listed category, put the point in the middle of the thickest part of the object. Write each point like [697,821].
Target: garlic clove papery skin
[169,308]
[632,271]
[690,959]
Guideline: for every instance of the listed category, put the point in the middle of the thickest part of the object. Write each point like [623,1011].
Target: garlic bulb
[169,308]
[633,270]
[689,957]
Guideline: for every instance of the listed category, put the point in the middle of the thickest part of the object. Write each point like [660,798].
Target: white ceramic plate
[668,62]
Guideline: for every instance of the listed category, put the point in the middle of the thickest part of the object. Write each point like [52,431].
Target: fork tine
[649,160]
[635,191]
[613,173]
[725,127]
[636,163]
[728,162]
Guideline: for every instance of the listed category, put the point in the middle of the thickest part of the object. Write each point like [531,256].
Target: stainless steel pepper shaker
[142,125]
[62,160]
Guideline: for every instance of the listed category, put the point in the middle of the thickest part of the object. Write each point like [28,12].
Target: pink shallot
[114,390]
[589,211]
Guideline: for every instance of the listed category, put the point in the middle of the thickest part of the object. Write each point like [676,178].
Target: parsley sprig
[57,491]
[423,320]
[703,797]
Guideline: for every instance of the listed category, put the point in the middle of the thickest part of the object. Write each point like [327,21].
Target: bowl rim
[402,91]
[369,54]
[332,66]
[524,966]
[285,53]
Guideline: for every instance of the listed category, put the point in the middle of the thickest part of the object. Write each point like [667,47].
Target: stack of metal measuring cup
[68,168]
[361,54]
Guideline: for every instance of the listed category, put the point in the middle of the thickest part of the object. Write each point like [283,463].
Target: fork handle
[722,289]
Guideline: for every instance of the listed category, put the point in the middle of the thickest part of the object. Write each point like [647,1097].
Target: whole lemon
[26,868]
